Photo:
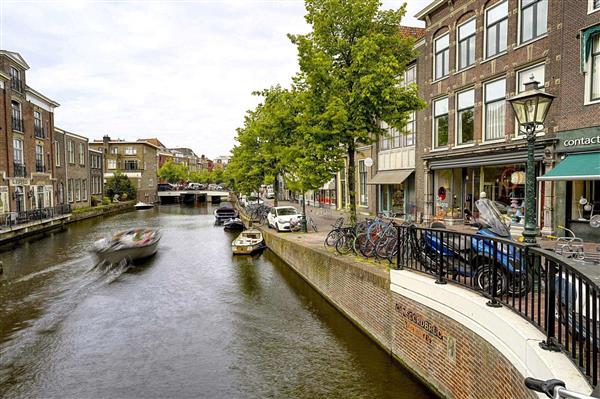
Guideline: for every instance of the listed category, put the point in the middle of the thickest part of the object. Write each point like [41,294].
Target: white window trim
[456,112]
[591,8]
[456,55]
[483,111]
[433,116]
[435,80]
[532,40]
[517,72]
[587,91]
[485,26]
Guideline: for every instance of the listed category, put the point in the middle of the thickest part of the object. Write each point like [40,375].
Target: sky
[180,70]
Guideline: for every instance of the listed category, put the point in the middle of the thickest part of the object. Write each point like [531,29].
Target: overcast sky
[182,71]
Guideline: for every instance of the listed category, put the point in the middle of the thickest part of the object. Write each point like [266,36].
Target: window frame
[109,162]
[70,191]
[18,149]
[445,57]
[130,150]
[81,154]
[534,4]
[485,103]
[472,36]
[57,153]
[362,184]
[434,121]
[496,25]
[590,92]
[592,7]
[518,74]
[457,118]
[131,162]
[71,151]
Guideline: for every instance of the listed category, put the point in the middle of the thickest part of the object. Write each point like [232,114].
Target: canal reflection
[193,321]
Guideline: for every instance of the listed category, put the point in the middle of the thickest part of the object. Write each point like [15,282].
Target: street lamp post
[531,108]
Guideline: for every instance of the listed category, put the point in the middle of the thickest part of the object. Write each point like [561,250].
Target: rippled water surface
[192,322]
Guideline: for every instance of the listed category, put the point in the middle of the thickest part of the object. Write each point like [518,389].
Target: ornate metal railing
[9,219]
[558,295]
[39,131]
[17,124]
[39,166]
[16,84]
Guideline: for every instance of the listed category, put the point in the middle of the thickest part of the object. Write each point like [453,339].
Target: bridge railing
[559,296]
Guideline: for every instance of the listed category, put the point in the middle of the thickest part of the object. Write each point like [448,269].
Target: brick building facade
[26,130]
[78,172]
[96,179]
[136,159]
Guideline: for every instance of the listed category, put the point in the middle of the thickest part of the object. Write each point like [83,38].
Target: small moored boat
[234,224]
[248,242]
[134,244]
[143,205]
[225,213]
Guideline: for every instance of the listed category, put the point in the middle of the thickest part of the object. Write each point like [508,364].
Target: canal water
[192,322]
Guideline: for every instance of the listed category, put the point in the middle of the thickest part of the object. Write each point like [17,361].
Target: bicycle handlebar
[542,386]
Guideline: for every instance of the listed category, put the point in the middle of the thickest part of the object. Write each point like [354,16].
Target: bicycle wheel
[343,246]
[332,238]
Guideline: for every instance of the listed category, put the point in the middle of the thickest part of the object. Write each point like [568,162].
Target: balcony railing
[20,169]
[550,291]
[9,219]
[40,167]
[17,124]
[39,132]
[16,84]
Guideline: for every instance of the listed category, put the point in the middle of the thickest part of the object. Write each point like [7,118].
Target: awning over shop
[576,167]
[391,176]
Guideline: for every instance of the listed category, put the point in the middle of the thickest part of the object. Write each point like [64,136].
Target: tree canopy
[119,184]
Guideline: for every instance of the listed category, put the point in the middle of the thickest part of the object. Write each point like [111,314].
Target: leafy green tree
[173,173]
[120,185]
[202,176]
[216,176]
[351,64]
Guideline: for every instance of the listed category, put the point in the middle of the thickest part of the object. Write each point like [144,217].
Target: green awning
[576,167]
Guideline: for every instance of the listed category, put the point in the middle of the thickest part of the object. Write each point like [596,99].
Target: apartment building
[77,170]
[26,127]
[60,166]
[475,55]
[136,159]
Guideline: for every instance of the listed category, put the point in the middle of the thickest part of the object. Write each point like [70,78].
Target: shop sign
[578,140]
[19,181]
[419,325]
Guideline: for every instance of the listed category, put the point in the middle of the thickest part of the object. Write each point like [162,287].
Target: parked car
[270,192]
[283,217]
[166,187]
[212,187]
[251,200]
[195,186]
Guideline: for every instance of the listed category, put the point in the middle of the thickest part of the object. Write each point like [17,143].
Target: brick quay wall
[447,351]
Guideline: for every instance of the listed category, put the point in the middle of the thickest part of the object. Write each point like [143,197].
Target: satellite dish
[368,162]
[595,221]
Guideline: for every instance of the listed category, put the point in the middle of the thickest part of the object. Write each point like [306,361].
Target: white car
[251,200]
[281,217]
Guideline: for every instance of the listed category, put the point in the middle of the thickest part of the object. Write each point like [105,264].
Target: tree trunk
[276,190]
[351,181]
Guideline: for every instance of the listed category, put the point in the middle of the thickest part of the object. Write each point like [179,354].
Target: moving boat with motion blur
[132,245]
[143,205]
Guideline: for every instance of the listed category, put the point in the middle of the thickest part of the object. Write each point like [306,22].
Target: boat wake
[32,322]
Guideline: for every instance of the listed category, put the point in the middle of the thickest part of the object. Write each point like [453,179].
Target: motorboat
[132,245]
[248,242]
[224,213]
[234,224]
[143,205]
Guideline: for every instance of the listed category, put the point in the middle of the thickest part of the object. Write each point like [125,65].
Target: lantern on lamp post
[531,108]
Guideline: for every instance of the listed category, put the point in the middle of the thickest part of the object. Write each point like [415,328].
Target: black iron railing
[16,84]
[559,296]
[39,166]
[9,219]
[39,131]
[20,169]
[17,124]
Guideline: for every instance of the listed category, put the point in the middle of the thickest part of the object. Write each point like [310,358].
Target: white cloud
[182,71]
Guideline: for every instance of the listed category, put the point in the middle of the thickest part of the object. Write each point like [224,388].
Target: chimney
[106,139]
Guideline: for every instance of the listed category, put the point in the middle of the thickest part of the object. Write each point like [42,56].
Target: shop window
[496,29]
[523,76]
[585,200]
[466,44]
[362,179]
[465,117]
[440,123]
[534,19]
[495,109]
[441,56]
